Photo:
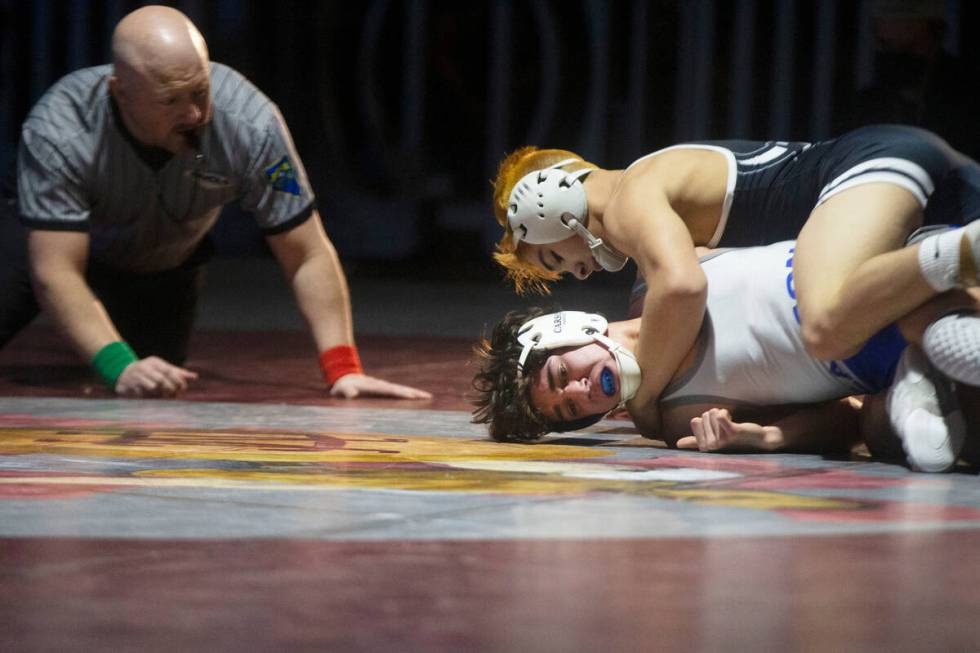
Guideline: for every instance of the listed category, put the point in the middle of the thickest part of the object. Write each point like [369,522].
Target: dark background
[402,109]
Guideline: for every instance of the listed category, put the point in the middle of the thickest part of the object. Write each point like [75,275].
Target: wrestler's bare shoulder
[681,173]
[692,182]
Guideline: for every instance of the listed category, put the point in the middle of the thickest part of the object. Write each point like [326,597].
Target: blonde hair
[525,275]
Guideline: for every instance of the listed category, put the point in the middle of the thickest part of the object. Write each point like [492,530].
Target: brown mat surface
[254,367]
[863,593]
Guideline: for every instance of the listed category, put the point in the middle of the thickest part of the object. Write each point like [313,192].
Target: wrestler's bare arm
[660,243]
[827,426]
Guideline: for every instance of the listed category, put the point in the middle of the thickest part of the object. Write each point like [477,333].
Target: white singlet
[750,351]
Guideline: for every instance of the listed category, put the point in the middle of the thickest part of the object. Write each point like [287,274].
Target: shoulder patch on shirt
[283,177]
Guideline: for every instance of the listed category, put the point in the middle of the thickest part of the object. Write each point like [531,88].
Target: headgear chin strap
[573,329]
[549,205]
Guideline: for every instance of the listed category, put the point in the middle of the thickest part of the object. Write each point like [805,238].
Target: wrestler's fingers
[697,431]
[687,442]
[710,440]
[701,426]
[724,426]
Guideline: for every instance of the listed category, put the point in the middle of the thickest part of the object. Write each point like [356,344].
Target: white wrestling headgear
[549,205]
[573,329]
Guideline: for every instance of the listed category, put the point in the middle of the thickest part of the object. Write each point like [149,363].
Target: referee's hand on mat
[153,377]
[350,386]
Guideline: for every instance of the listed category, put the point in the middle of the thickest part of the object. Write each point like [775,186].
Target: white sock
[939,259]
[952,344]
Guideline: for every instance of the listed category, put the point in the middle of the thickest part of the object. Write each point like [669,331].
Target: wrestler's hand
[350,386]
[153,377]
[715,431]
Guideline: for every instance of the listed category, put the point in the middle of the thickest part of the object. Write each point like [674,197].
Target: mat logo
[292,461]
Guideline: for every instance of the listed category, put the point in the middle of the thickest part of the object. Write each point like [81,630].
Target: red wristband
[339,361]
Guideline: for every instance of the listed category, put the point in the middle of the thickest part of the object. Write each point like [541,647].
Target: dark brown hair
[504,400]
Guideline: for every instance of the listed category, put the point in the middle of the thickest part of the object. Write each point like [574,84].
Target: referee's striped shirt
[79,169]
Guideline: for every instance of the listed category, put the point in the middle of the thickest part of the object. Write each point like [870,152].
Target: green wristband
[111,360]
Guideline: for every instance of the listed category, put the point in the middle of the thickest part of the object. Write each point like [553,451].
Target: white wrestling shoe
[924,414]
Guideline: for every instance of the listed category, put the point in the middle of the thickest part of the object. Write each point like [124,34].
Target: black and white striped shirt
[79,169]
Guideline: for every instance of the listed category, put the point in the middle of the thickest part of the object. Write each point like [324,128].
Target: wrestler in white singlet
[750,352]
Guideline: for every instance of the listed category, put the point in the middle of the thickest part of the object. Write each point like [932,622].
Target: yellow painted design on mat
[317,461]
[274,447]
[439,480]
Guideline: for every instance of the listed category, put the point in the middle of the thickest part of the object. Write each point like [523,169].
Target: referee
[122,170]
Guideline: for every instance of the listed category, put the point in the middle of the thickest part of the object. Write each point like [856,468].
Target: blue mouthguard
[608,382]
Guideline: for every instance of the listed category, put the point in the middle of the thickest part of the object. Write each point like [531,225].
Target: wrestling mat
[256,514]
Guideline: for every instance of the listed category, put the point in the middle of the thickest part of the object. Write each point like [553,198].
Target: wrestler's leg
[923,406]
[915,325]
[852,274]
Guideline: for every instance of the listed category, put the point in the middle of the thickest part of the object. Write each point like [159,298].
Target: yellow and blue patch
[283,176]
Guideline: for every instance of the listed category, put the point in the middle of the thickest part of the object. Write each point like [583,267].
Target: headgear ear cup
[549,205]
[538,202]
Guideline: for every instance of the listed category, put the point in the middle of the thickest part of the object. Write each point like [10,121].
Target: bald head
[161,78]
[153,40]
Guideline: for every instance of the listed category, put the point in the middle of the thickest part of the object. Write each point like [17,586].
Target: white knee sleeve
[952,344]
